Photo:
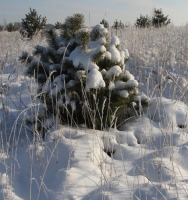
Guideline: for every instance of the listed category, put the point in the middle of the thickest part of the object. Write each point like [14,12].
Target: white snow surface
[148,160]
[169,113]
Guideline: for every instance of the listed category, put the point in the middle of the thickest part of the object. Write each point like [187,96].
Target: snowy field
[146,158]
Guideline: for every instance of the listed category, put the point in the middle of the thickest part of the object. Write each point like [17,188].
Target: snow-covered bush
[81,76]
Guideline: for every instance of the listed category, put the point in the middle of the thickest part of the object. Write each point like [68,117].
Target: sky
[94,10]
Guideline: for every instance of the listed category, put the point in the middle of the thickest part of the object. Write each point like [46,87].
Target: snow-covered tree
[71,25]
[82,77]
[105,23]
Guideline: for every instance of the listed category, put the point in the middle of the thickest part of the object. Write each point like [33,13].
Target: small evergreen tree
[118,25]
[104,23]
[143,21]
[33,23]
[71,25]
[10,27]
[159,19]
[81,83]
[58,25]
[13,26]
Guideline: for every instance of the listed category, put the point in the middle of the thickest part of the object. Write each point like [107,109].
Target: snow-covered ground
[146,158]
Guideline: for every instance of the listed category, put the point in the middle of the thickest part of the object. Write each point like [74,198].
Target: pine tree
[71,25]
[58,25]
[10,27]
[118,25]
[159,19]
[81,77]
[104,23]
[143,21]
[33,23]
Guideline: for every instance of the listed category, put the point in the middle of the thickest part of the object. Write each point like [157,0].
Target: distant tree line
[157,20]
[11,27]
[33,23]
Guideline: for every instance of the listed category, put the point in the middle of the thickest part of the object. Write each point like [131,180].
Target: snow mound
[126,138]
[168,112]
